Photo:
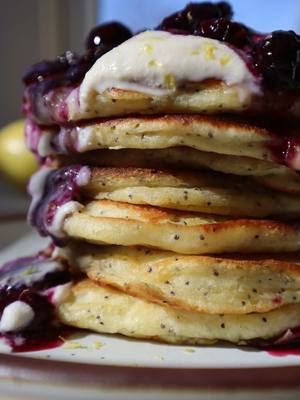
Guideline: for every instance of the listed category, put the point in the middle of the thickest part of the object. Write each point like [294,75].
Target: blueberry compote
[67,70]
[27,302]
[55,193]
[275,57]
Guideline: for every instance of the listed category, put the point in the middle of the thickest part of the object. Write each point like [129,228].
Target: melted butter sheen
[157,62]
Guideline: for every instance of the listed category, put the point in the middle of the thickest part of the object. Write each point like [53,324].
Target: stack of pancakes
[185,227]
[174,232]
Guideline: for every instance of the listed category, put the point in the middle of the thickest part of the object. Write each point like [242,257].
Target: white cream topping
[60,293]
[16,316]
[61,214]
[84,138]
[157,62]
[44,148]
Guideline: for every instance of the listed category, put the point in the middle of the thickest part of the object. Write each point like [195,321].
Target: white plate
[95,349]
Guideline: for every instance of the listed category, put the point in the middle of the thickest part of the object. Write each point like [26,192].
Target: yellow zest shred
[97,344]
[189,350]
[209,52]
[224,60]
[154,63]
[73,345]
[170,81]
[148,49]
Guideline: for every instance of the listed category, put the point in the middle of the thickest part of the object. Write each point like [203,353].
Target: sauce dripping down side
[288,344]
[34,284]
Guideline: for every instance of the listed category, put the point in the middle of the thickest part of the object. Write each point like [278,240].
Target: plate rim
[46,371]
[36,370]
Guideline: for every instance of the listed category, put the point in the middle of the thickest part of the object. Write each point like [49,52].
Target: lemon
[16,161]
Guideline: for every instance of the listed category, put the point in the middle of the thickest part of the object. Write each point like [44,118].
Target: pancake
[124,224]
[106,310]
[213,285]
[190,191]
[210,134]
[205,97]
[269,174]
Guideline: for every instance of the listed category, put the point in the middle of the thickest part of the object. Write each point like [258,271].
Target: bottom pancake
[213,285]
[106,310]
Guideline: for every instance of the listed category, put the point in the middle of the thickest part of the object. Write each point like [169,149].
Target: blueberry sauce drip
[44,339]
[29,280]
[288,343]
[60,187]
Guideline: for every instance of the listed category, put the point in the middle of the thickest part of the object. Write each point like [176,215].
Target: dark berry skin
[189,18]
[277,58]
[111,34]
[226,31]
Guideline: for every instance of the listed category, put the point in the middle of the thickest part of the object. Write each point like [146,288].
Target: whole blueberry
[189,18]
[226,31]
[277,58]
[109,34]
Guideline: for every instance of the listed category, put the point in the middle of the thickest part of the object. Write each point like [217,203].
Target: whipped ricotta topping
[16,316]
[62,212]
[157,62]
[84,176]
[44,147]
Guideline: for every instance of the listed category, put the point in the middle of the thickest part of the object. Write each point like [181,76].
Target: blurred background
[33,30]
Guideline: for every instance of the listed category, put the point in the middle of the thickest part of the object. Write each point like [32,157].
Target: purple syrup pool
[29,292]
[46,339]
[55,194]
[285,352]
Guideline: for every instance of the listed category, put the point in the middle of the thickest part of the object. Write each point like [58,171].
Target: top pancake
[213,97]
[162,72]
